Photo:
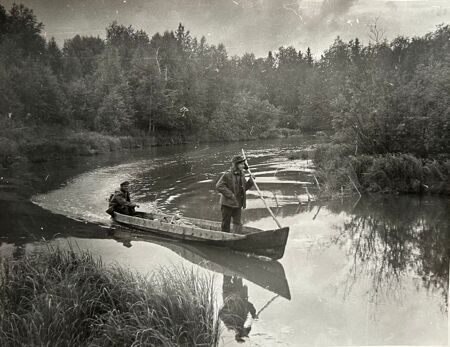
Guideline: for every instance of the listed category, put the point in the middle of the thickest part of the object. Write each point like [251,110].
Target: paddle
[259,192]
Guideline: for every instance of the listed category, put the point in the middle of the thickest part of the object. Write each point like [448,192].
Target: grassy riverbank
[338,167]
[42,144]
[63,298]
[46,143]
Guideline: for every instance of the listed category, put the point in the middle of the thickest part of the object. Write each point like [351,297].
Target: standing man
[120,201]
[232,187]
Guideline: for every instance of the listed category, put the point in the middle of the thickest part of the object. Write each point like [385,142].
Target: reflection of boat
[269,243]
[268,274]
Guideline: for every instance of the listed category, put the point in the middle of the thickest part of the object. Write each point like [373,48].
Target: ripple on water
[359,274]
[85,197]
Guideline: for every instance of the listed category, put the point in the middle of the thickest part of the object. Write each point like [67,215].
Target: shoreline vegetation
[339,172]
[390,173]
[383,106]
[66,298]
[41,145]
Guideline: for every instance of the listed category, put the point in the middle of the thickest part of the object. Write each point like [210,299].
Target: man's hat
[125,183]
[237,159]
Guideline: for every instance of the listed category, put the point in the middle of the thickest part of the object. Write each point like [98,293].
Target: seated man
[120,201]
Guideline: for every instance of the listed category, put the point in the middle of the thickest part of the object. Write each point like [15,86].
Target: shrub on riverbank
[8,151]
[62,298]
[39,149]
[39,144]
[387,173]
[304,154]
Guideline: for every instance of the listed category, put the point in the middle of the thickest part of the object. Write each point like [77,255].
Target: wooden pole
[259,192]
[267,304]
[276,199]
[317,181]
[307,193]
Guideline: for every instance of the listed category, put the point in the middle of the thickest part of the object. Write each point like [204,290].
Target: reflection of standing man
[236,307]
[232,187]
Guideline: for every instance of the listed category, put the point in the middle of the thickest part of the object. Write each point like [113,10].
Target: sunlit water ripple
[359,272]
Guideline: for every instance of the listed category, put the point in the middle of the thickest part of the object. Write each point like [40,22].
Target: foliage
[385,97]
[64,298]
[387,173]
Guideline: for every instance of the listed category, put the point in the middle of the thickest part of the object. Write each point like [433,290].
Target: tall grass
[388,173]
[63,298]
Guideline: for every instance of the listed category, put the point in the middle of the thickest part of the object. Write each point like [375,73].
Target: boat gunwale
[247,230]
[224,237]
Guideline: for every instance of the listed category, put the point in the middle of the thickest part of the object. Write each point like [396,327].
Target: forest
[386,97]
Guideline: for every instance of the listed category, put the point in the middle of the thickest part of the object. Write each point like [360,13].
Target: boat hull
[269,243]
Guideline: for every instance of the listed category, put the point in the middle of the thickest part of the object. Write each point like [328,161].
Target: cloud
[248,26]
[336,7]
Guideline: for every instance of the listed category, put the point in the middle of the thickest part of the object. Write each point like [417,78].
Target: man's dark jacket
[232,187]
[119,201]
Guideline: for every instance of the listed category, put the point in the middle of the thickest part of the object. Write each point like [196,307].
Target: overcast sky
[245,25]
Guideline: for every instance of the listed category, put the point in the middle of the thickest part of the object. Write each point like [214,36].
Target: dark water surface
[367,272]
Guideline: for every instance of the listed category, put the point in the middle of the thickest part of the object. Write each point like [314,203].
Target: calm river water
[373,271]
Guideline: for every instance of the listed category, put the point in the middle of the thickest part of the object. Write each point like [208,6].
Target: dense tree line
[379,98]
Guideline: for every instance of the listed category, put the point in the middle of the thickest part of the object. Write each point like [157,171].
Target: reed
[301,154]
[68,298]
[387,173]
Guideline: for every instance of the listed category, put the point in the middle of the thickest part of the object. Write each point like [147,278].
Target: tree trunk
[151,124]
[150,115]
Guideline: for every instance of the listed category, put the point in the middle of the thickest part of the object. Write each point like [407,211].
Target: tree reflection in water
[390,238]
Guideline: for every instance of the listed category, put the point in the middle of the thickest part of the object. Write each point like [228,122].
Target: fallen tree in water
[64,298]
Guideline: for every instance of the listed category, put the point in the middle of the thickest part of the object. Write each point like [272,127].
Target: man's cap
[125,183]
[237,159]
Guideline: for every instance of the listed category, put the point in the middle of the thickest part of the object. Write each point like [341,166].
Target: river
[369,271]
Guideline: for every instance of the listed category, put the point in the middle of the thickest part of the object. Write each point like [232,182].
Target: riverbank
[42,144]
[394,173]
[67,298]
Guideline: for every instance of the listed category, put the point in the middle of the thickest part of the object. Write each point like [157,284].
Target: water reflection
[237,312]
[345,262]
[267,274]
[391,238]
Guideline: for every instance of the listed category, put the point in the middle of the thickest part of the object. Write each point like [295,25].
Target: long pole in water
[259,192]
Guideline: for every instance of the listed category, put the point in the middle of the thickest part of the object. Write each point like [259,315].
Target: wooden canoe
[268,243]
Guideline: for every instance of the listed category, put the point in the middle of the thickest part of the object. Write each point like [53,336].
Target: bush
[41,147]
[389,173]
[8,151]
[303,155]
[271,134]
